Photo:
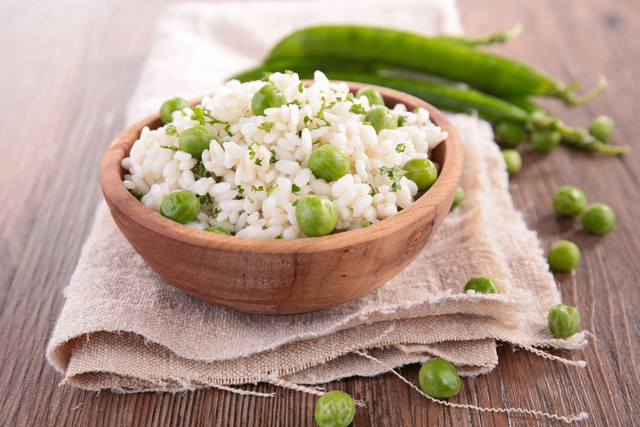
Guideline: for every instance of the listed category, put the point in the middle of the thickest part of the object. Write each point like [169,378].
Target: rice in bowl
[256,168]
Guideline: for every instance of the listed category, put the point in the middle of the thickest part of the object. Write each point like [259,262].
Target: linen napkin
[126,329]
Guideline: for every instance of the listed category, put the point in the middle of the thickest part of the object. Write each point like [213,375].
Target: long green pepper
[455,61]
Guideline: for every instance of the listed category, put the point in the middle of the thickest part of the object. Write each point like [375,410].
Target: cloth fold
[126,329]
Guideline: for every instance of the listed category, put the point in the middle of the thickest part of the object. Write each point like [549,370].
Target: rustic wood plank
[73,65]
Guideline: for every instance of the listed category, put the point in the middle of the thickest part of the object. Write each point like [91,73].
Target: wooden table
[68,68]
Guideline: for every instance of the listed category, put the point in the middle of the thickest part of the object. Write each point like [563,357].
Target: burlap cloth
[126,329]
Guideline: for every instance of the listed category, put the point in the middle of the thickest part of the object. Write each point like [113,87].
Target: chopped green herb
[279,237]
[216,211]
[136,194]
[200,171]
[240,189]
[250,199]
[306,121]
[295,102]
[357,109]
[295,202]
[213,119]
[320,115]
[271,190]
[266,75]
[288,72]
[227,129]
[350,97]
[273,156]
[366,123]
[258,162]
[170,148]
[400,148]
[417,110]
[373,191]
[198,115]
[206,199]
[256,189]
[299,134]
[301,87]
[295,189]
[366,224]
[252,152]
[170,130]
[395,174]
[218,180]
[401,120]
[315,142]
[266,126]
[339,98]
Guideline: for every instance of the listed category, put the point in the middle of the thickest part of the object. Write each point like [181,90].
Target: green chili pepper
[456,61]
[498,36]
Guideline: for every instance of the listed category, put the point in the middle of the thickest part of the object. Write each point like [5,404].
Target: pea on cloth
[126,329]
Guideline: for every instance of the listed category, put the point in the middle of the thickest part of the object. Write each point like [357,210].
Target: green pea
[563,320]
[602,128]
[598,218]
[458,197]
[218,229]
[569,200]
[439,379]
[171,105]
[482,284]
[563,255]
[268,96]
[329,163]
[372,95]
[335,409]
[180,206]
[513,160]
[316,215]
[545,140]
[510,133]
[380,118]
[421,171]
[195,139]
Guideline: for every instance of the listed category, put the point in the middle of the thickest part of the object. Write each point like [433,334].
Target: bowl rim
[117,195]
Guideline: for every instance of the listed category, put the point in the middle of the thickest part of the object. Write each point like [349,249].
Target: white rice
[257,199]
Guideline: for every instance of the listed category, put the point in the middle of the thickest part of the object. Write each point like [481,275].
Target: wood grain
[67,71]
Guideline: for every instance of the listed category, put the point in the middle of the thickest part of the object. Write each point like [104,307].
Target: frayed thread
[568,419]
[244,392]
[544,354]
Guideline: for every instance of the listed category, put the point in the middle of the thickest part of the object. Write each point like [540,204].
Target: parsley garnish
[200,171]
[306,121]
[199,114]
[295,189]
[416,110]
[273,156]
[265,76]
[320,115]
[252,152]
[227,129]
[301,87]
[366,123]
[400,147]
[170,130]
[366,224]
[240,189]
[170,148]
[218,180]
[350,97]
[205,199]
[395,174]
[401,120]
[288,72]
[256,189]
[271,190]
[216,211]
[258,162]
[266,126]
[295,102]
[295,202]
[279,237]
[357,109]
[373,192]
[136,194]
[250,199]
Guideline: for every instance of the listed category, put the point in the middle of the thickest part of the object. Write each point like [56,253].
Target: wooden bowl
[282,276]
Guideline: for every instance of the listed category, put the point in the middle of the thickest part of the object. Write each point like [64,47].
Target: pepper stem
[499,36]
[566,93]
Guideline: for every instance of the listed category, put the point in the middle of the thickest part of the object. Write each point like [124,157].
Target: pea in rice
[255,170]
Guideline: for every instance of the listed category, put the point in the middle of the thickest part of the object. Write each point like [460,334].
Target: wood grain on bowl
[282,276]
